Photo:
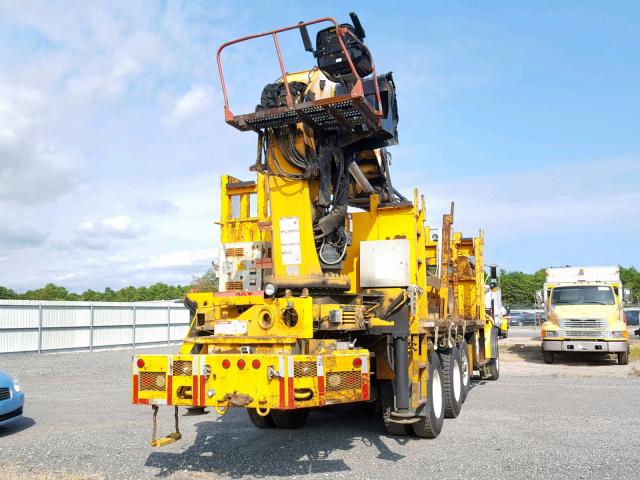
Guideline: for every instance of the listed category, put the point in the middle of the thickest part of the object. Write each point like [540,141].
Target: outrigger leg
[172,437]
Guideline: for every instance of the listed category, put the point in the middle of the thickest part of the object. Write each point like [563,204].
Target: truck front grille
[595,323]
[5,394]
[585,333]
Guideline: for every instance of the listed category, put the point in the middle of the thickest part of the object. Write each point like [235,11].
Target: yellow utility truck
[584,312]
[333,289]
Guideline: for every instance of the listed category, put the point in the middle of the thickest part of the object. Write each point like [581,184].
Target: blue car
[11,399]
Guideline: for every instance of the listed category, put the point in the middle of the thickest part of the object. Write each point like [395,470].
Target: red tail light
[226,363]
[357,362]
[255,364]
[140,363]
[241,364]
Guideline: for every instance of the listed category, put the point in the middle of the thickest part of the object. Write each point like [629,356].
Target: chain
[155,422]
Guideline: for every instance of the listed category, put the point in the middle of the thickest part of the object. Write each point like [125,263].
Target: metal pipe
[401,367]
[360,178]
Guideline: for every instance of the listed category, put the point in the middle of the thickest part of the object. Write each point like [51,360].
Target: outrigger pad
[172,437]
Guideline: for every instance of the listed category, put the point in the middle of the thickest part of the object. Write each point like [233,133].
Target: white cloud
[32,168]
[195,101]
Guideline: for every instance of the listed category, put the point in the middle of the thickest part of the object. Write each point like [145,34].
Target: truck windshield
[587,295]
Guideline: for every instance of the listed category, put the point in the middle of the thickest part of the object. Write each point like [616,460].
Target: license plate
[234,327]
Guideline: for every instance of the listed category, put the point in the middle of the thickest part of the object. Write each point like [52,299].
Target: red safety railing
[356,91]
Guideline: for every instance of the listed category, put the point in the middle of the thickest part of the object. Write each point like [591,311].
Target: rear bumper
[584,346]
[264,382]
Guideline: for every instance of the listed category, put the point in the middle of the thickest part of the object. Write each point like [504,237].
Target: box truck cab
[584,312]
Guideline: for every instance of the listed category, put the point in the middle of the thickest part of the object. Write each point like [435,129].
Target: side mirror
[539,297]
[626,295]
[493,276]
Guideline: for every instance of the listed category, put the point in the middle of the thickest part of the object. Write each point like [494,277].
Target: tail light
[140,363]
[226,363]
[241,364]
[255,364]
[357,362]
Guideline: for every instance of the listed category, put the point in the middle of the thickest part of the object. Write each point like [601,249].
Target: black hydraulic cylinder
[401,367]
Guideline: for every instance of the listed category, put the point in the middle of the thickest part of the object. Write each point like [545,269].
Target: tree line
[158,291]
[518,289]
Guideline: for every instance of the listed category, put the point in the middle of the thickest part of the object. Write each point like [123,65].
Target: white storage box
[385,263]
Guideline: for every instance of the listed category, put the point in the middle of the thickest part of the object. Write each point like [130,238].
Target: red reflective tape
[202,379]
[282,393]
[291,400]
[194,394]
[321,389]
[135,389]
[365,386]
[144,401]
[169,389]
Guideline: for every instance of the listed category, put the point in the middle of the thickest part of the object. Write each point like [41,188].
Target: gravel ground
[79,424]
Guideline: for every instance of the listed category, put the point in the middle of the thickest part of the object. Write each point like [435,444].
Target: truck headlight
[615,334]
[551,333]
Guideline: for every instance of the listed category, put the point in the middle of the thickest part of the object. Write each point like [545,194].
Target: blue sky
[112,137]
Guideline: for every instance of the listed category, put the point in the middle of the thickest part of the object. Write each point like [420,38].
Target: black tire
[493,367]
[623,358]
[548,357]
[452,380]
[465,364]
[387,404]
[259,421]
[430,425]
[289,419]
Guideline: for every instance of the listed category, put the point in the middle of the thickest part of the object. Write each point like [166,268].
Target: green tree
[518,288]
[631,279]
[49,292]
[208,282]
[7,294]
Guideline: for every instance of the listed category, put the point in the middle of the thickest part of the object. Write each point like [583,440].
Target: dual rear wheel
[449,381]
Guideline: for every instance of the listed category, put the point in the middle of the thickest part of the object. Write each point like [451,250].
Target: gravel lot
[80,424]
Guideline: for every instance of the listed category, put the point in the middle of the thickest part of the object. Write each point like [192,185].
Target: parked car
[633,316]
[11,399]
[526,318]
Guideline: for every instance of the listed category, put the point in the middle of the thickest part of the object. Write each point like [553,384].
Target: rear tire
[623,358]
[430,425]
[465,368]
[493,367]
[289,419]
[548,357]
[259,421]
[452,380]
[387,404]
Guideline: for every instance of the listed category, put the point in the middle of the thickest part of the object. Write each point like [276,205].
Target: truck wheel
[548,357]
[430,425]
[623,358]
[290,419]
[259,421]
[493,367]
[387,405]
[452,380]
[465,368]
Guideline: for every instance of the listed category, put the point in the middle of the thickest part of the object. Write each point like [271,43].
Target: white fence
[42,326]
